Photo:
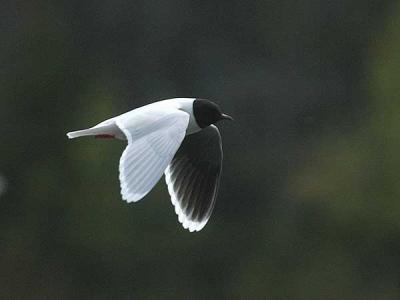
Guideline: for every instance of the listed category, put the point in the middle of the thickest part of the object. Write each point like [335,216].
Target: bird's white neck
[186,104]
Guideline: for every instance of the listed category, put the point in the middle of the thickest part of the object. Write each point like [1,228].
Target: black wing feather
[193,177]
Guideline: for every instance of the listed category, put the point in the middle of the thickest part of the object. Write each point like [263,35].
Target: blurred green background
[309,204]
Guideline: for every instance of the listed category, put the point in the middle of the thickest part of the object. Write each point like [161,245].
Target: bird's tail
[106,129]
[84,132]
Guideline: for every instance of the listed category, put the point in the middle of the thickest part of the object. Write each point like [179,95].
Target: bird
[175,137]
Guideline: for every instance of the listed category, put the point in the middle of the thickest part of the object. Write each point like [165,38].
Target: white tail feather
[105,127]
[84,132]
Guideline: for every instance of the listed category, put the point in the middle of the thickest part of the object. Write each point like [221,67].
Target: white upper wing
[153,139]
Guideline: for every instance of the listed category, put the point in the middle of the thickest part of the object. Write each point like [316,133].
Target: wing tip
[125,194]
[192,226]
[130,198]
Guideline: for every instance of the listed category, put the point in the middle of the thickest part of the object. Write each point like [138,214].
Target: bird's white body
[157,109]
[136,117]
[154,133]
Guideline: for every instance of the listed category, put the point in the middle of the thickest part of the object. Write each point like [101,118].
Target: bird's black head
[206,113]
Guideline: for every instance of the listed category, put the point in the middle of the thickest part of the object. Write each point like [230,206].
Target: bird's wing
[193,177]
[153,140]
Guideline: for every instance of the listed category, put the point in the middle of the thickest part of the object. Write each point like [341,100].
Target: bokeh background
[309,204]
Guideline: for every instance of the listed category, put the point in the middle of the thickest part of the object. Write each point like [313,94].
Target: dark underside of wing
[193,177]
